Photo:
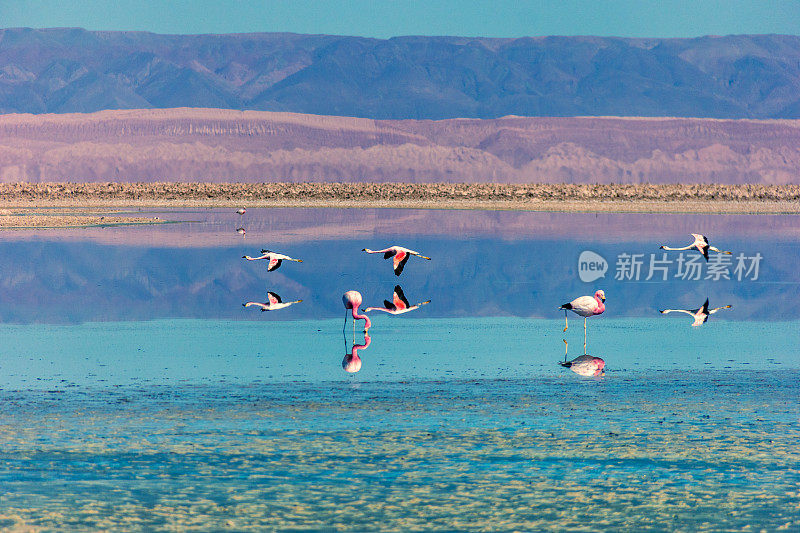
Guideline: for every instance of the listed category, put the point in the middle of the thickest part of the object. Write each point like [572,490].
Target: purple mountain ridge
[217,145]
[73,70]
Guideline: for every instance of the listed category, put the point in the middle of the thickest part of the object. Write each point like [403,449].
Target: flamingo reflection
[241,231]
[352,362]
[273,303]
[700,315]
[400,255]
[700,244]
[398,305]
[584,365]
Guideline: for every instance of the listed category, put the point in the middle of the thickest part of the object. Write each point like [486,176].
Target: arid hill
[213,145]
[67,70]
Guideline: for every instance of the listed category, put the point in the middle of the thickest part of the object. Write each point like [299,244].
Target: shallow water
[138,393]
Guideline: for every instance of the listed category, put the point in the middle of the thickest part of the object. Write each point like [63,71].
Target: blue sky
[387,18]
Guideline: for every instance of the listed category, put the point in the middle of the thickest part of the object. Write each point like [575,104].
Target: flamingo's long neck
[356,316]
[674,249]
[601,307]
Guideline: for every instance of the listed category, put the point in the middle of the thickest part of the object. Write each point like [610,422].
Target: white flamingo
[274,259]
[700,315]
[585,306]
[400,255]
[700,244]
[273,303]
[241,211]
[398,305]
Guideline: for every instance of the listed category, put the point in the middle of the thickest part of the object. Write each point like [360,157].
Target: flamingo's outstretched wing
[389,253]
[273,264]
[400,260]
[273,298]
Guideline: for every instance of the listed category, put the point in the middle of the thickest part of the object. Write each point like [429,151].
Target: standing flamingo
[400,255]
[352,362]
[351,300]
[398,305]
[274,303]
[701,244]
[241,211]
[585,306]
[274,259]
[700,315]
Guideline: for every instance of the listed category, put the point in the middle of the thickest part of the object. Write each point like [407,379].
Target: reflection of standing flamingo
[241,231]
[586,365]
[585,306]
[274,259]
[351,300]
[273,304]
[400,255]
[352,362]
[700,315]
[701,244]
[398,305]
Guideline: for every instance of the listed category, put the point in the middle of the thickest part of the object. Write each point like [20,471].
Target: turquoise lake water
[137,393]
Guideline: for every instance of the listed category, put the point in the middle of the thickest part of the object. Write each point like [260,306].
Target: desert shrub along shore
[490,192]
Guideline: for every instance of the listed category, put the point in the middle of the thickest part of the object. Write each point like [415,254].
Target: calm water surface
[138,393]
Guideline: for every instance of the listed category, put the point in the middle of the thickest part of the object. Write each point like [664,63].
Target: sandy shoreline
[80,205]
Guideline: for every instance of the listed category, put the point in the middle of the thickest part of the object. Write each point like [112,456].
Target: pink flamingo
[274,259]
[700,315]
[274,302]
[398,305]
[586,365]
[241,211]
[585,306]
[400,255]
[352,362]
[701,244]
[351,300]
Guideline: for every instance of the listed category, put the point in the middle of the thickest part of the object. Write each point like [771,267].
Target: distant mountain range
[74,70]
[220,145]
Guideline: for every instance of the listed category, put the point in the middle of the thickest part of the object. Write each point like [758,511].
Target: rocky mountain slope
[224,145]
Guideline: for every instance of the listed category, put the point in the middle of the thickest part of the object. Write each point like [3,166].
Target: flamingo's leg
[565,320]
[584,335]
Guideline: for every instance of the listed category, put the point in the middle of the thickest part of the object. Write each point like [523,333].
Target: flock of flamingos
[584,306]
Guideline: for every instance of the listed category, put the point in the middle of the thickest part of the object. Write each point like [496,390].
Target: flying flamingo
[274,303]
[700,315]
[351,300]
[398,305]
[352,362]
[701,244]
[241,211]
[400,255]
[585,306]
[274,259]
